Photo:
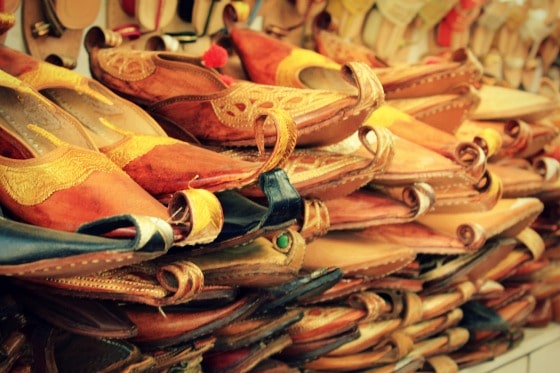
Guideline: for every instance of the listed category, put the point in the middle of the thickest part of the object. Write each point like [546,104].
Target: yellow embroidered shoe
[191,100]
[135,142]
[271,61]
[53,176]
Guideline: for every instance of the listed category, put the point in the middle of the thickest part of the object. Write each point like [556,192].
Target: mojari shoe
[191,100]
[134,141]
[52,174]
[29,250]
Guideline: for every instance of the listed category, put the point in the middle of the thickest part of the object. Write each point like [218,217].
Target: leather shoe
[191,100]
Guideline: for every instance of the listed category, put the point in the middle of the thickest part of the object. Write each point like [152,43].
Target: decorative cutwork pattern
[131,66]
[248,101]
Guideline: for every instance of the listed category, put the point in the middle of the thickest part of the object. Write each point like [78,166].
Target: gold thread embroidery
[45,74]
[130,67]
[251,100]
[134,145]
[33,184]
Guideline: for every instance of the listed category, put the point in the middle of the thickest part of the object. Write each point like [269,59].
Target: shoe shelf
[539,352]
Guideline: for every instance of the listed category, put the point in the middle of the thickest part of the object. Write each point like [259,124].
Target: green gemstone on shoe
[282,241]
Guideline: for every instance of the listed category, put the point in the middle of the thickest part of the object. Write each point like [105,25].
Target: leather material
[464,152]
[29,250]
[323,174]
[306,286]
[181,323]
[274,366]
[530,247]
[507,295]
[438,273]
[319,323]
[59,351]
[471,191]
[349,286]
[394,348]
[333,249]
[54,31]
[131,138]
[88,317]
[423,239]
[66,169]
[13,341]
[556,307]
[542,315]
[182,356]
[507,218]
[481,352]
[374,207]
[478,318]
[371,334]
[445,111]
[253,329]
[428,328]
[204,108]
[420,80]
[434,305]
[244,359]
[521,179]
[519,139]
[246,219]
[333,46]
[151,283]
[260,263]
[298,354]
[450,340]
[511,103]
[514,314]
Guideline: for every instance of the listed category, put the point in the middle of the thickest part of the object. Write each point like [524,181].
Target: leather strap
[316,220]
[284,202]
[372,303]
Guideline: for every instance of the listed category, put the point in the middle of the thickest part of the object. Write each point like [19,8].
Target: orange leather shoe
[48,182]
[191,100]
[404,80]
[272,61]
[134,140]
[53,176]
[322,174]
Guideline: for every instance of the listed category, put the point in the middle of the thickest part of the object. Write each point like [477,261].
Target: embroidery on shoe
[249,101]
[129,67]
[134,145]
[44,75]
[70,168]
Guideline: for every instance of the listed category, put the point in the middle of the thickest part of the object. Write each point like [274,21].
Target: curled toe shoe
[191,100]
[132,139]
[53,175]
[45,176]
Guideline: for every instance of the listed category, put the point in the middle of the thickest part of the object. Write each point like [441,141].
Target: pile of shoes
[278,206]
